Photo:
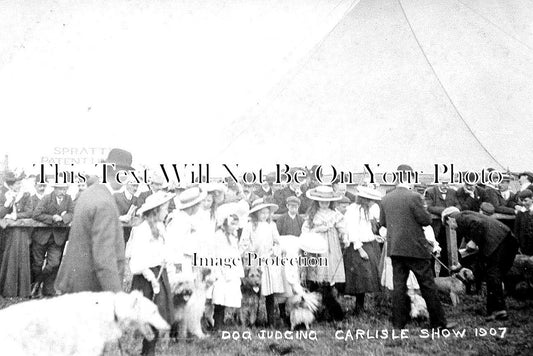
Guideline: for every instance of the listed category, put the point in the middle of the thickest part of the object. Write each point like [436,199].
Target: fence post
[451,243]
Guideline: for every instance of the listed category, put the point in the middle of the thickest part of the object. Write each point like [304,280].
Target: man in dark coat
[40,188]
[523,228]
[438,198]
[94,260]
[126,198]
[265,189]
[497,248]
[404,215]
[493,196]
[469,197]
[508,196]
[526,181]
[55,209]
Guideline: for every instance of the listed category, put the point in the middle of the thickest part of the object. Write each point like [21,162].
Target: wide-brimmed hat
[191,197]
[10,177]
[369,193]
[121,158]
[259,204]
[323,193]
[313,242]
[154,200]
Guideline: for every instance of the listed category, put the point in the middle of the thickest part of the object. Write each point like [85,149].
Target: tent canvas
[263,82]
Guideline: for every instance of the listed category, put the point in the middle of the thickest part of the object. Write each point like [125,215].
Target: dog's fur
[453,286]
[301,311]
[250,288]
[189,297]
[419,309]
[75,324]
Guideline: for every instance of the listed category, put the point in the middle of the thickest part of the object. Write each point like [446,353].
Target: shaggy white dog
[75,324]
[302,309]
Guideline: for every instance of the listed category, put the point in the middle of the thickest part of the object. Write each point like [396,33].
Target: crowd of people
[158,233]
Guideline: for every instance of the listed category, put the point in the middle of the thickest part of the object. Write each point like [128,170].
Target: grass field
[477,340]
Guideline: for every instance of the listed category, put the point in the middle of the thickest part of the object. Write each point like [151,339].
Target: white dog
[419,309]
[75,324]
[302,309]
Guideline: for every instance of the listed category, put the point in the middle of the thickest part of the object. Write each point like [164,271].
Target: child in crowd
[227,288]
[147,254]
[291,222]
[361,260]
[328,223]
[260,236]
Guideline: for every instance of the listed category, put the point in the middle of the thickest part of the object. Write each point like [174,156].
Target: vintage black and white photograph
[266,177]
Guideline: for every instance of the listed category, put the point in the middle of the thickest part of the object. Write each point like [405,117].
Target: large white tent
[263,82]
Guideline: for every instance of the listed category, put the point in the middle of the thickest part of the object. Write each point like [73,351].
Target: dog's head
[252,279]
[293,302]
[134,311]
[466,274]
[182,291]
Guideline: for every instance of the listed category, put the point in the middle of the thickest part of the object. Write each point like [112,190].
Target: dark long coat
[94,258]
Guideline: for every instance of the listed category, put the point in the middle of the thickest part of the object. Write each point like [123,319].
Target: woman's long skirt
[362,276]
[163,299]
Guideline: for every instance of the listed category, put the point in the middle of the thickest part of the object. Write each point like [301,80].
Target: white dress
[180,244]
[330,225]
[204,225]
[263,241]
[227,287]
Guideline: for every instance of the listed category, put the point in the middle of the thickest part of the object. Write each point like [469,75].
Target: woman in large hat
[260,236]
[361,260]
[147,254]
[181,230]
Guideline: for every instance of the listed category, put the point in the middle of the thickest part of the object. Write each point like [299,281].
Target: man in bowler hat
[94,259]
[404,215]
